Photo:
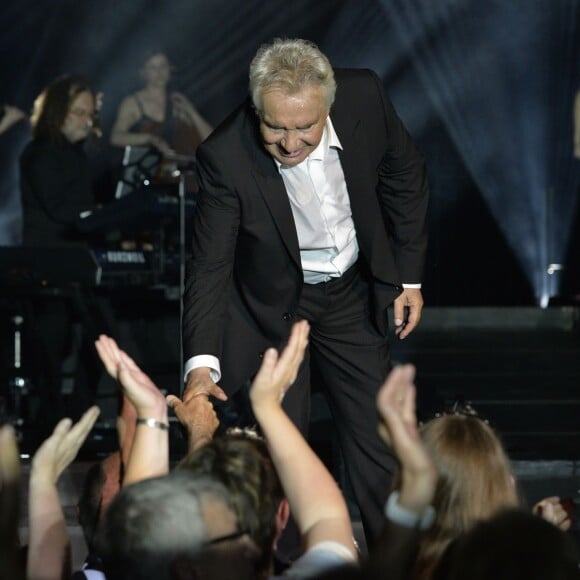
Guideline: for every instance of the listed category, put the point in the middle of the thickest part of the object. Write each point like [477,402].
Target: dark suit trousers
[353,359]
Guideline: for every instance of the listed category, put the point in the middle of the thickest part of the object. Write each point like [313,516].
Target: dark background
[485,88]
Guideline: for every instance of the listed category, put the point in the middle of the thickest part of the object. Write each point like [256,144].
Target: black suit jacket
[244,278]
[55,184]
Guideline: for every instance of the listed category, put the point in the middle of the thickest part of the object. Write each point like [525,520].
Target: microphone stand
[182,175]
[184,163]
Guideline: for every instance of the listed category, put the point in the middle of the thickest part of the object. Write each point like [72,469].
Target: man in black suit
[312,205]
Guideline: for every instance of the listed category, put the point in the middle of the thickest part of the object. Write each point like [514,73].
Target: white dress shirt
[321,208]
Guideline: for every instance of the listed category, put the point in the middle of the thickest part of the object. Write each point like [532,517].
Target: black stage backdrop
[486,88]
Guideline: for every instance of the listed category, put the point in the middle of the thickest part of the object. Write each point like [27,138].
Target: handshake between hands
[195,413]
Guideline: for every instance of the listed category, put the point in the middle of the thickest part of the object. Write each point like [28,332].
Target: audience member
[104,479]
[149,455]
[12,567]
[475,481]
[89,508]
[319,509]
[512,545]
[410,514]
[48,540]
[220,515]
[315,500]
[408,511]
[101,484]
[163,524]
[243,464]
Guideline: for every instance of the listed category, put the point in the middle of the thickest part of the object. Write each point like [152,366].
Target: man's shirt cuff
[203,360]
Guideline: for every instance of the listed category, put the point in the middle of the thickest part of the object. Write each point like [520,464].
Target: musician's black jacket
[55,184]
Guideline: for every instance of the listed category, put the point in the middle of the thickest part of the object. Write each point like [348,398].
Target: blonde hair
[241,461]
[475,481]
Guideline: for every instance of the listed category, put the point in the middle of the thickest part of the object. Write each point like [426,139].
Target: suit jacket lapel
[271,186]
[360,182]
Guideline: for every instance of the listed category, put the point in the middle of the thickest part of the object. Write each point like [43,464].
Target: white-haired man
[312,206]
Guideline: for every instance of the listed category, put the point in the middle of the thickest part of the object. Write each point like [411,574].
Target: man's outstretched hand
[199,382]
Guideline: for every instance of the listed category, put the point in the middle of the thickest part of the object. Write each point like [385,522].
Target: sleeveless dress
[180,136]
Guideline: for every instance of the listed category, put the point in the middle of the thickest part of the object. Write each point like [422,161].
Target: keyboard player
[56,190]
[55,177]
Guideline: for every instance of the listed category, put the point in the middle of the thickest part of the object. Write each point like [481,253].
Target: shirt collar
[329,139]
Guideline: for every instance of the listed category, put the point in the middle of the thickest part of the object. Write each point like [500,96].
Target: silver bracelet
[154,423]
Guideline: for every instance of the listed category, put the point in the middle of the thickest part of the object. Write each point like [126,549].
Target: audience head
[64,110]
[512,545]
[475,479]
[241,462]
[158,524]
[290,65]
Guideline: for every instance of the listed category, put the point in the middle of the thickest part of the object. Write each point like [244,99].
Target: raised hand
[48,540]
[278,372]
[11,116]
[9,457]
[9,504]
[58,451]
[199,382]
[315,499]
[149,454]
[137,386]
[398,428]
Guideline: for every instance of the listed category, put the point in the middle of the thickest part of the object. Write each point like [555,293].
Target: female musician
[157,117]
